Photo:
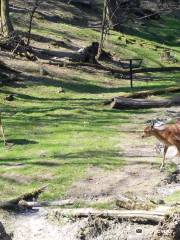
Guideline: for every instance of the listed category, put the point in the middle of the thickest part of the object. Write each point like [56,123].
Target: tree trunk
[129,103]
[6,27]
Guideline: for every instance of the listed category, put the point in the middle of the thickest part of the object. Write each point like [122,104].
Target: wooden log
[123,103]
[144,94]
[13,204]
[140,216]
[25,204]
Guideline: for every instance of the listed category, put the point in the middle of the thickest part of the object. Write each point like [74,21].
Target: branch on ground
[14,205]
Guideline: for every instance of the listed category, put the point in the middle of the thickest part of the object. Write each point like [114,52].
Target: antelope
[2,131]
[169,135]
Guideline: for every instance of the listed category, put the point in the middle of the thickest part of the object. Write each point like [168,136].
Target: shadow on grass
[21,141]
[80,12]
[81,85]
[165,31]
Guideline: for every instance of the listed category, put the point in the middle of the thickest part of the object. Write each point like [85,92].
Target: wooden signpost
[131,63]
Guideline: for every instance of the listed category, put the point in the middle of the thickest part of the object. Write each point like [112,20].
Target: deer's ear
[152,124]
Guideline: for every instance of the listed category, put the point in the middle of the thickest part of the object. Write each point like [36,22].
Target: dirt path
[37,226]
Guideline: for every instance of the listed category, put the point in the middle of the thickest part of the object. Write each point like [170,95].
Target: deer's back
[171,134]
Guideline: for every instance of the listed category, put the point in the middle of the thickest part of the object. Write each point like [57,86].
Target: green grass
[105,205]
[56,137]
[173,198]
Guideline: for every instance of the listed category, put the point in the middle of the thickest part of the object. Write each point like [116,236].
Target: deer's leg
[164,158]
[178,165]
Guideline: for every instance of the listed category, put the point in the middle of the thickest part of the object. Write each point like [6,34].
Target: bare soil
[40,226]
[129,179]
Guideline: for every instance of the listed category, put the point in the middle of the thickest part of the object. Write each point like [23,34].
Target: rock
[138,230]
[173,177]
[9,98]
[61,90]
[160,202]
[43,71]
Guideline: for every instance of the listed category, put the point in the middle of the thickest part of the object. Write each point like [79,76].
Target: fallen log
[144,94]
[60,203]
[124,103]
[13,204]
[140,216]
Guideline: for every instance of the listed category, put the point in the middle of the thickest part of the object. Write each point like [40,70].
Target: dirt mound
[3,234]
[169,229]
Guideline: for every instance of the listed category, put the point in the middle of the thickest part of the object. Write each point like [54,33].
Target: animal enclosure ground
[67,139]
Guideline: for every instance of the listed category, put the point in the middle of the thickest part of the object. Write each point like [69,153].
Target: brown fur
[169,135]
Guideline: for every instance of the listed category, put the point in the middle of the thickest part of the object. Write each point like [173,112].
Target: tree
[6,27]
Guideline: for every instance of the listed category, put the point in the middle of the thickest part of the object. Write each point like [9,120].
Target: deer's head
[148,131]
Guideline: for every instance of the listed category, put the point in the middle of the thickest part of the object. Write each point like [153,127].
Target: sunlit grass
[54,138]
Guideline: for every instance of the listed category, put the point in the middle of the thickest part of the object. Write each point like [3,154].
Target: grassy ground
[56,137]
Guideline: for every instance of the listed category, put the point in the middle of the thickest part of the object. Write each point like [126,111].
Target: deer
[168,134]
[2,131]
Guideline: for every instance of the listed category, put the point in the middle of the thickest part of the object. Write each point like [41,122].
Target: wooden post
[131,72]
